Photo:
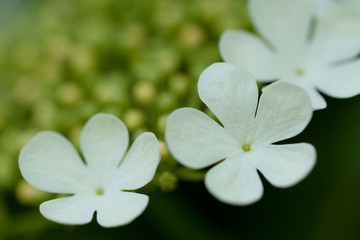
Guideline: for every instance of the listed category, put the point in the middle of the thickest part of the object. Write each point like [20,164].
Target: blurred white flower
[296,50]
[245,141]
[49,162]
[323,7]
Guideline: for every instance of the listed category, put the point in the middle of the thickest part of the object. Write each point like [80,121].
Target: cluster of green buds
[67,60]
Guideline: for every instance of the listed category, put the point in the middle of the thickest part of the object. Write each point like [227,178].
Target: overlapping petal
[317,101]
[246,50]
[235,181]
[341,81]
[139,164]
[285,165]
[77,209]
[120,208]
[337,37]
[196,140]
[104,141]
[284,111]
[283,23]
[49,162]
[231,94]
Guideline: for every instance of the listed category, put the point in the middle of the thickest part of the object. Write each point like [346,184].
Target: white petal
[284,111]
[317,101]
[337,37]
[120,208]
[235,181]
[286,165]
[341,81]
[323,6]
[246,50]
[231,94]
[50,162]
[140,163]
[74,210]
[284,23]
[195,140]
[104,141]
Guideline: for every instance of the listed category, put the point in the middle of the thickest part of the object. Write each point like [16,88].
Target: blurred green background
[63,61]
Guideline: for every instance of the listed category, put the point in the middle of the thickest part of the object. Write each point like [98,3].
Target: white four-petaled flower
[49,162]
[245,142]
[292,50]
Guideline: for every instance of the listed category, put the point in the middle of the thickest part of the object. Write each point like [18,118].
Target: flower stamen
[246,147]
[100,191]
[299,72]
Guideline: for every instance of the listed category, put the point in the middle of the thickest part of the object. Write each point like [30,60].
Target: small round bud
[133,119]
[167,182]
[28,195]
[163,150]
[192,35]
[144,92]
[161,123]
[69,94]
[179,83]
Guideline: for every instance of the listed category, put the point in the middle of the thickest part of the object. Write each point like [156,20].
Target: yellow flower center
[299,72]
[246,147]
[99,191]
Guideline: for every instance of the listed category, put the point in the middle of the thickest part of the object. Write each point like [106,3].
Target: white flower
[323,7]
[49,162]
[291,52]
[244,141]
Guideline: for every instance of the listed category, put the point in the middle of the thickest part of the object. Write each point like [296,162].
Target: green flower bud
[167,182]
[28,195]
[133,119]
[144,92]
[69,94]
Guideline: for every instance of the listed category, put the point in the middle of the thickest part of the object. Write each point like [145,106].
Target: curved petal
[74,210]
[286,165]
[235,181]
[323,6]
[120,208]
[317,101]
[284,23]
[195,140]
[49,162]
[104,141]
[284,111]
[341,81]
[246,50]
[337,37]
[231,94]
[139,164]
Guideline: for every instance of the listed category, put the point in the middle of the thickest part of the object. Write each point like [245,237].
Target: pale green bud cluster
[67,60]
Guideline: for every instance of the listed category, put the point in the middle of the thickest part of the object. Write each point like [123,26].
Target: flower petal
[140,163]
[120,208]
[341,81]
[195,140]
[284,23]
[246,50]
[235,181]
[323,6]
[284,111]
[231,94]
[104,141]
[49,162]
[286,165]
[74,210]
[337,37]
[317,101]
